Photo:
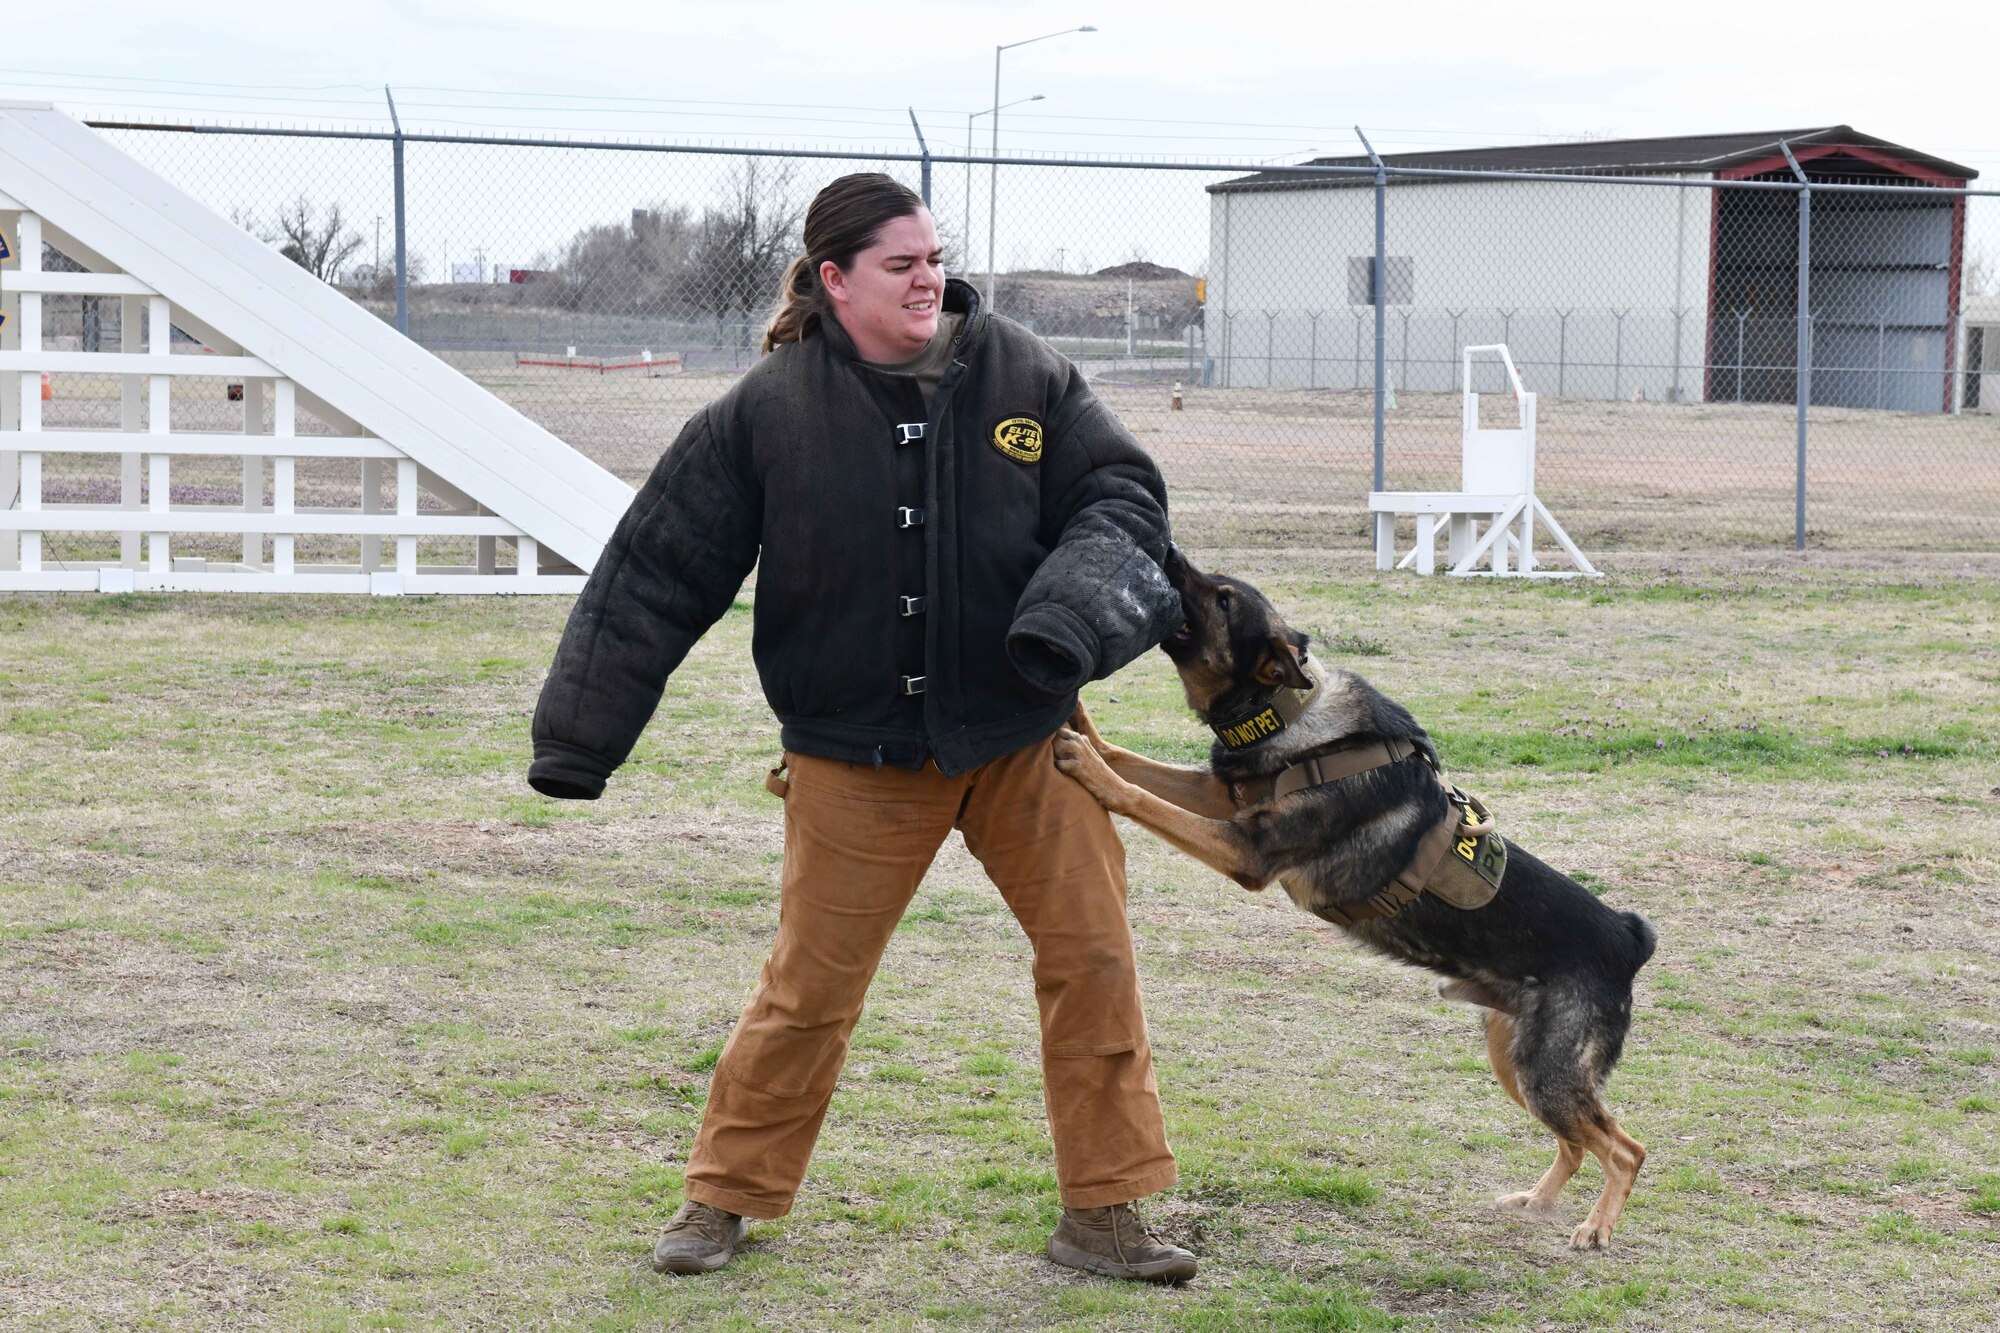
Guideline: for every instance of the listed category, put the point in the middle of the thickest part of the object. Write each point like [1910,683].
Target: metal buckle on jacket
[909,431]
[914,684]
[912,606]
[907,517]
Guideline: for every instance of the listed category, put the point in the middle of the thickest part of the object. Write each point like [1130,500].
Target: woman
[952,535]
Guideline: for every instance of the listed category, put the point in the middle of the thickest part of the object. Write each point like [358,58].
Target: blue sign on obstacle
[5,252]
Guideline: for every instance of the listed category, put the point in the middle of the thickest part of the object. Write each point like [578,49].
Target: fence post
[1881,332]
[1680,315]
[1404,315]
[924,149]
[1802,381]
[1562,352]
[1618,357]
[1312,352]
[402,235]
[1741,316]
[1377,287]
[1270,344]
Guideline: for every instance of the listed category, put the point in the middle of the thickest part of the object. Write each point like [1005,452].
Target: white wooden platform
[1497,479]
[464,464]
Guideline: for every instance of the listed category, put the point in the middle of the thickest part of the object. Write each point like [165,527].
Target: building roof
[1717,153]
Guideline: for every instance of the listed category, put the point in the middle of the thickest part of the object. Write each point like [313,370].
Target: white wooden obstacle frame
[1497,489]
[296,346]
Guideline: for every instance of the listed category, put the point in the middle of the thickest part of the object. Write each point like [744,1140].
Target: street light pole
[993,181]
[971,116]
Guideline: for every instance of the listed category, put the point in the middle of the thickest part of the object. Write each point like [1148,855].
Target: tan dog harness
[1460,860]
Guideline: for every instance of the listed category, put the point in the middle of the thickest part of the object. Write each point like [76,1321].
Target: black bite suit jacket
[931,585]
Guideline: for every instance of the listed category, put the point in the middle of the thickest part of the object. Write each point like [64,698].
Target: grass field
[313,1016]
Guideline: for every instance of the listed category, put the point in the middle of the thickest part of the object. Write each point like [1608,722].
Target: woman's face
[887,299]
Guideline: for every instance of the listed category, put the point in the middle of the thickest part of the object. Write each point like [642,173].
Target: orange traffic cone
[47,395]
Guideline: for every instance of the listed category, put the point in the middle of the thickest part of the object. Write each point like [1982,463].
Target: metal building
[1603,291]
[1980,354]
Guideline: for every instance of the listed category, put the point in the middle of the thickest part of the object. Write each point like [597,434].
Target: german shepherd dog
[1549,965]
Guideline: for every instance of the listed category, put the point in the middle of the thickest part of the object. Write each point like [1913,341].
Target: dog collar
[1270,715]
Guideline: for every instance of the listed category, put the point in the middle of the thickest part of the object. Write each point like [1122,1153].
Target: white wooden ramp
[473,479]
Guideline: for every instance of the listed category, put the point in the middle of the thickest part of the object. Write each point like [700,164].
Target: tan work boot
[1113,1242]
[699,1239]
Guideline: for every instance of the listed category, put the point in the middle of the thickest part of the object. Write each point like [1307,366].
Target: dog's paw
[1526,1206]
[1073,754]
[1592,1235]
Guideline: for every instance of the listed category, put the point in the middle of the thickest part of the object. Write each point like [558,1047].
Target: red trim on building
[1745,170]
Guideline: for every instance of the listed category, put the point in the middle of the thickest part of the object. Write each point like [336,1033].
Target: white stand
[1497,475]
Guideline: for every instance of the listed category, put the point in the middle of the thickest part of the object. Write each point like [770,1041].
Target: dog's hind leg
[1564,1047]
[1537,1204]
[1621,1156]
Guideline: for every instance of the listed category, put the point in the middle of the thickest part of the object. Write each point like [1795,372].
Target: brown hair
[844,220]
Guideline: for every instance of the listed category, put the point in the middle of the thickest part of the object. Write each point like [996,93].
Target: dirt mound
[1140,270]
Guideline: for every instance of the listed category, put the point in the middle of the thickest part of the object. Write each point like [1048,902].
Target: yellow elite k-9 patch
[1020,438]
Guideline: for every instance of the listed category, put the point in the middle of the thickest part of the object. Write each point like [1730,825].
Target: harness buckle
[907,517]
[913,684]
[908,432]
[912,606]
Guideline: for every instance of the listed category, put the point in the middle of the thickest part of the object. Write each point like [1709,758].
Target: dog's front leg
[1188,787]
[1219,843]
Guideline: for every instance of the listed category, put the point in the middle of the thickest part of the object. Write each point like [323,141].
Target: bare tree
[634,268]
[1982,274]
[320,243]
[741,246]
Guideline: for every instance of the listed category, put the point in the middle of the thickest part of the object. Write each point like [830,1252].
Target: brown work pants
[857,841]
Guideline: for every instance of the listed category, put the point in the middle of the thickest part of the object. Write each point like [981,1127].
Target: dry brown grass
[1291,468]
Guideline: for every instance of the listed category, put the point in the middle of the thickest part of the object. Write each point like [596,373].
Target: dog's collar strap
[1343,763]
[1266,718]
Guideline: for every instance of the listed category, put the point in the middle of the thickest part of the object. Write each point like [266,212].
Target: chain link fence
[1228,315]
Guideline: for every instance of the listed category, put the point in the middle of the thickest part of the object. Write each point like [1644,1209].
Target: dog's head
[1231,638]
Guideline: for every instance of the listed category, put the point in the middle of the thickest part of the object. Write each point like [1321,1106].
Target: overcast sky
[1159,76]
[1277,81]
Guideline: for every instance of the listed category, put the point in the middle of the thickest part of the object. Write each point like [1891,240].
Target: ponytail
[800,304]
[844,219]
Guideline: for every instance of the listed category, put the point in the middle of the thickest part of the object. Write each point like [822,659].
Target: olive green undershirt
[929,365]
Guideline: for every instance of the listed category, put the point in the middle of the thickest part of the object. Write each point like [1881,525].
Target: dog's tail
[1643,936]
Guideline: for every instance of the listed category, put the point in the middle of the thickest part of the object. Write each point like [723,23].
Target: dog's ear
[1280,664]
